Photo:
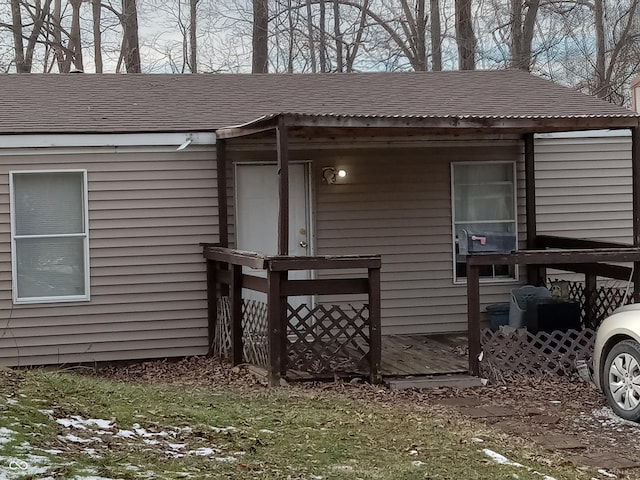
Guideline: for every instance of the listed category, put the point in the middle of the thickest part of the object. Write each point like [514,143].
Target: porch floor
[404,355]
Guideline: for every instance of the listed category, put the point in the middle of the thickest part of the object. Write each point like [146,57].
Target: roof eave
[533,124]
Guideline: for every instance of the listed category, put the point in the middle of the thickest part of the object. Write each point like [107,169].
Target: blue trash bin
[498,315]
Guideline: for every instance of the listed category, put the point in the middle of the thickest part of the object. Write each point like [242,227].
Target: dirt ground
[564,415]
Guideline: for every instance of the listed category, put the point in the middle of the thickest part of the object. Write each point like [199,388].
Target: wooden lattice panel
[222,338]
[604,300]
[255,341]
[520,351]
[328,338]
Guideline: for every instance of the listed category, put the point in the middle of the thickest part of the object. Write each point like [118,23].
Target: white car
[616,361]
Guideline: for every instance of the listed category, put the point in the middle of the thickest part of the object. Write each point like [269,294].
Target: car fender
[624,323]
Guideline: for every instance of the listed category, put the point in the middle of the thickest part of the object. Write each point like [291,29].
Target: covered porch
[367,342]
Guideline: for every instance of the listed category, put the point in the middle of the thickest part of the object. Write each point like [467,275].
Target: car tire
[621,379]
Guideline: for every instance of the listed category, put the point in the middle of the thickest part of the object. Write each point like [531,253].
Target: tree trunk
[322,44]
[130,43]
[193,39]
[260,36]
[522,33]
[75,45]
[338,34]
[601,81]
[18,44]
[97,35]
[464,35]
[436,36]
[62,57]
[312,48]
[421,34]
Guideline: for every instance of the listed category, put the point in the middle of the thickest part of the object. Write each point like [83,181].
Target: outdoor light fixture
[331,175]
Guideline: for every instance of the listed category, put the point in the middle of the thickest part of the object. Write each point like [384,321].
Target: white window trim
[503,280]
[14,263]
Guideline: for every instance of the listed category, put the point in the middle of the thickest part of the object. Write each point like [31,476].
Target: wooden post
[375,331]
[635,175]
[590,287]
[274,320]
[212,303]
[235,301]
[473,317]
[283,186]
[533,273]
[221,175]
[284,318]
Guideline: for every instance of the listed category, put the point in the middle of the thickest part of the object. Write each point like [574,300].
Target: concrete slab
[606,460]
[488,412]
[435,381]
[559,441]
[460,402]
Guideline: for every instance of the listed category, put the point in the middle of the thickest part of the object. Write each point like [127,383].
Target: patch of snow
[176,446]
[53,451]
[413,452]
[223,429]
[204,451]
[72,438]
[11,401]
[476,440]
[76,421]
[92,477]
[316,477]
[417,463]
[91,452]
[150,441]
[606,474]
[13,468]
[6,435]
[125,434]
[146,434]
[502,460]
[265,430]
[239,454]
[225,459]
[341,467]
[46,412]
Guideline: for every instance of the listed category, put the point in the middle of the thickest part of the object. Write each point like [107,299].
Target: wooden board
[422,355]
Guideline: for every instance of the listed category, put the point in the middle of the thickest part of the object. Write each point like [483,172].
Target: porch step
[434,381]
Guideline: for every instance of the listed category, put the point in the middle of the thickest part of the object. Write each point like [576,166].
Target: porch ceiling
[335,125]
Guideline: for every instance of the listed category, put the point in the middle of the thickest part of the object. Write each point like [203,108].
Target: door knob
[303,244]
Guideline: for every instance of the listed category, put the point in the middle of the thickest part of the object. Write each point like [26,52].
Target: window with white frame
[483,202]
[49,236]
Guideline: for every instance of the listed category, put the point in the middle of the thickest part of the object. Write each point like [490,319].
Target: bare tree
[522,31]
[96,10]
[436,36]
[465,36]
[260,36]
[130,42]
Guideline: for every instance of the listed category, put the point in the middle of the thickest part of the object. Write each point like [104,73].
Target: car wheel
[621,379]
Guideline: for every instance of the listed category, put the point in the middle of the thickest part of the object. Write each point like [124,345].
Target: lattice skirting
[605,300]
[255,343]
[322,339]
[328,338]
[523,352]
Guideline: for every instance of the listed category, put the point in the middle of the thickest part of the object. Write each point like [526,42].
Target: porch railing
[283,336]
[592,258]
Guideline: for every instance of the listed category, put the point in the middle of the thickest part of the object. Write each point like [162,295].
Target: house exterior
[108,186]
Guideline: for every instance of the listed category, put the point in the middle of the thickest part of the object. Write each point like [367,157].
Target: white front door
[257,215]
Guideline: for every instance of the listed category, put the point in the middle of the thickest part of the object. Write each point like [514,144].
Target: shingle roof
[73,103]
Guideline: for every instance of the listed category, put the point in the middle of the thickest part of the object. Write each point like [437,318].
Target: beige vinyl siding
[149,208]
[583,185]
[396,201]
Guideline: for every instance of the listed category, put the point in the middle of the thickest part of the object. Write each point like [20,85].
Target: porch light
[331,175]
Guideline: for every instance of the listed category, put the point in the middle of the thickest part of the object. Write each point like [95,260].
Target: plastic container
[524,302]
[498,315]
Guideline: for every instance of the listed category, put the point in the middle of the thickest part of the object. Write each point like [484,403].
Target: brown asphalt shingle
[73,103]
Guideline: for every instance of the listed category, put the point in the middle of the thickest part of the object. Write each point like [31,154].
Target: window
[49,236]
[484,202]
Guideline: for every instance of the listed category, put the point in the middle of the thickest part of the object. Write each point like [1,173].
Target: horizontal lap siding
[397,203]
[148,211]
[583,187]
